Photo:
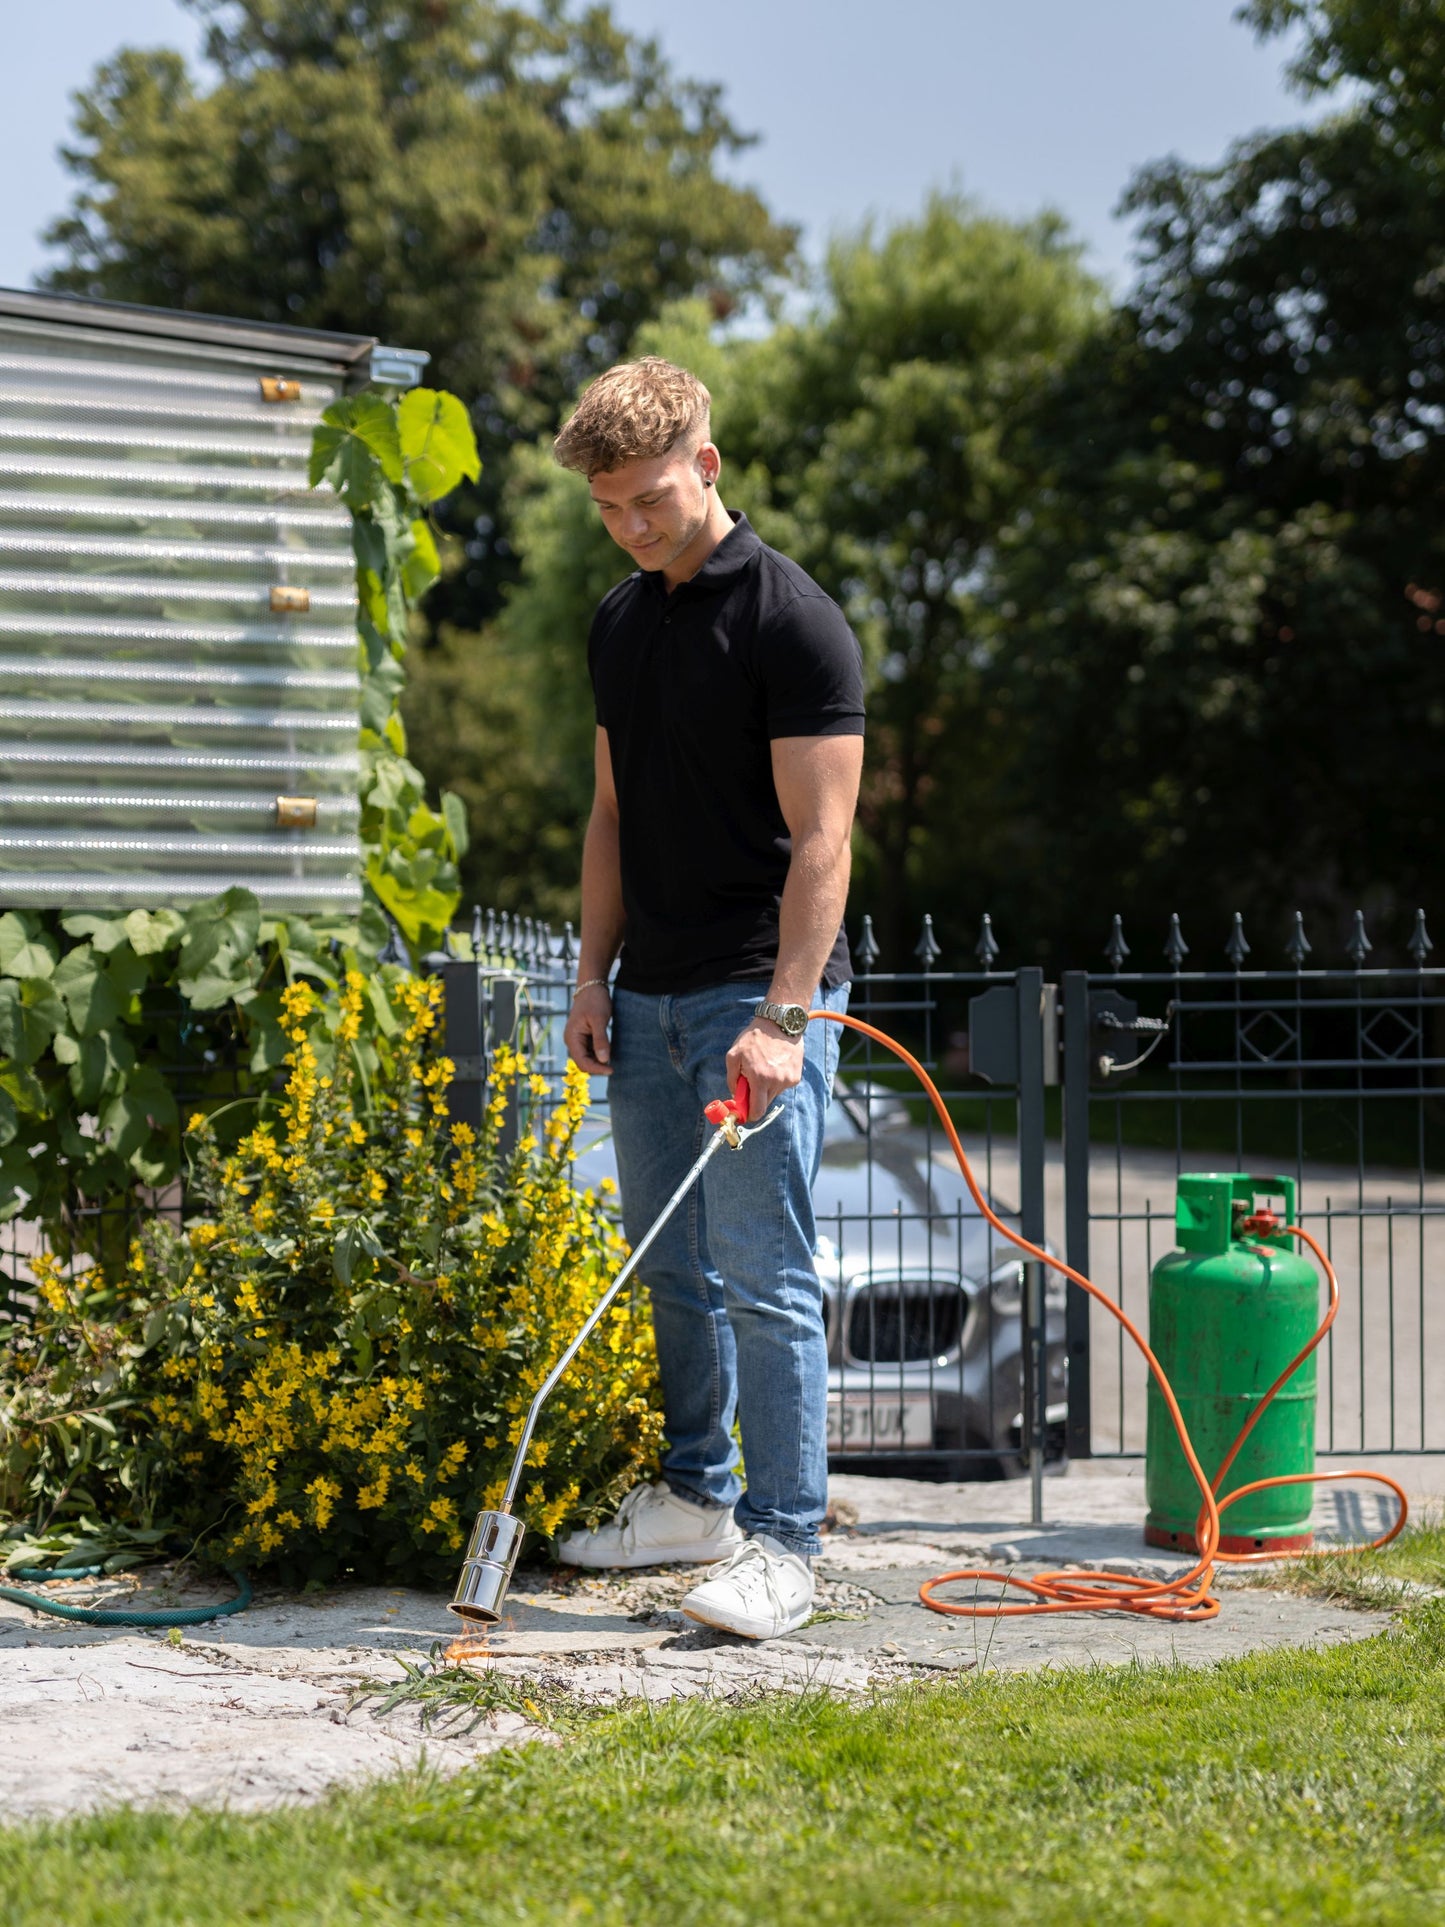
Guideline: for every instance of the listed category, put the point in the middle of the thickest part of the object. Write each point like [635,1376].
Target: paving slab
[261,1709]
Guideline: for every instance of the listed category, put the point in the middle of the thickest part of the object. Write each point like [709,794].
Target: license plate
[879,1421]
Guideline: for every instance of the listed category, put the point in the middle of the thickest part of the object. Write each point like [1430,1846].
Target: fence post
[464,1039]
[1080,1427]
[1029,985]
[505,1017]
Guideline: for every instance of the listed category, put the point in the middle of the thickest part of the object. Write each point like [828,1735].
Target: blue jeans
[736,1302]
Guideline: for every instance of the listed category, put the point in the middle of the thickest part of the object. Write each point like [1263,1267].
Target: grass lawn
[1388,1578]
[1289,1787]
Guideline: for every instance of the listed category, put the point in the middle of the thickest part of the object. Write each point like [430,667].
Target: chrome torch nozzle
[487,1570]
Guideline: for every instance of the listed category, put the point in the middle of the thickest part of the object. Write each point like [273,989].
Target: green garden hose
[107,1616]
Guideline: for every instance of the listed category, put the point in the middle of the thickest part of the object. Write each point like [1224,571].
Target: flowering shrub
[328,1370]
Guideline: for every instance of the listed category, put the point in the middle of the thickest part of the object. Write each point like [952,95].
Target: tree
[514,190]
[876,436]
[1217,628]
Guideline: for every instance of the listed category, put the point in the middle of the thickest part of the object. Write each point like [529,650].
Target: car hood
[898,1208]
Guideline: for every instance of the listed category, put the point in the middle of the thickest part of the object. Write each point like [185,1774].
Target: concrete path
[257,1710]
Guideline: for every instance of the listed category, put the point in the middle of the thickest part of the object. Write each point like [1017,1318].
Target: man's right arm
[603,920]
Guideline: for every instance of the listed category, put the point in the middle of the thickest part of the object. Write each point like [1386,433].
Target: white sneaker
[763,1591]
[655,1527]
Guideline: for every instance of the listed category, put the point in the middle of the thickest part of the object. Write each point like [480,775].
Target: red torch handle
[722,1108]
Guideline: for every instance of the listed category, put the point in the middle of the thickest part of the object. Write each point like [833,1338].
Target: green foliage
[1217,631]
[327,1370]
[97,1025]
[388,461]
[514,189]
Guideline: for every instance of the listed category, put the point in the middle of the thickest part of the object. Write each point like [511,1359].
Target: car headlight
[1006,1288]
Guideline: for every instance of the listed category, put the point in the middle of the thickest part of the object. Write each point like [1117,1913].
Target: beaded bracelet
[591,984]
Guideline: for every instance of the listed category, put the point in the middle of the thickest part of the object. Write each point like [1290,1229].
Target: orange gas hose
[1188,1596]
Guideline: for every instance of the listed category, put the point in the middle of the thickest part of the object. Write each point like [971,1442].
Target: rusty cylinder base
[1229,1542]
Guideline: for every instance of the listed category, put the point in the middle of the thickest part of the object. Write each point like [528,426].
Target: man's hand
[586,1033]
[771,1062]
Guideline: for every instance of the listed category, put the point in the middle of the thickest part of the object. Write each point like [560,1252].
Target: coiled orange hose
[1188,1596]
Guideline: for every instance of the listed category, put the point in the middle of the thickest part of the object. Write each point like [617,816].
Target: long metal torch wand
[497,1536]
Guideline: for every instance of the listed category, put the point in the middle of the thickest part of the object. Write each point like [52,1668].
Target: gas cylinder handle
[1262,1223]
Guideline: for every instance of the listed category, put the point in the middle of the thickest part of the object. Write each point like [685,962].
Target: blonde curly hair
[634,413]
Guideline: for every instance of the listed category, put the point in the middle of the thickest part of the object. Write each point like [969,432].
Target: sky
[862,106]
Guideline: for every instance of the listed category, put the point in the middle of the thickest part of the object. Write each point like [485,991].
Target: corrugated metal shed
[178,686]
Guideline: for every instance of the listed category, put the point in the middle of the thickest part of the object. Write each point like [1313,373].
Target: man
[729,697]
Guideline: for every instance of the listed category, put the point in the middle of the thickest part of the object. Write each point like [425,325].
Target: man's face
[657,509]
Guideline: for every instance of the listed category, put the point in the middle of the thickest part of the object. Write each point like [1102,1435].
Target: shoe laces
[751,1568]
[625,1517]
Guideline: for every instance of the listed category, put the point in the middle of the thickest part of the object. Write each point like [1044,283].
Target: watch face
[795,1019]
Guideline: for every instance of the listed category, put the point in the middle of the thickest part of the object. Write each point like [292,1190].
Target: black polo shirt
[692,687]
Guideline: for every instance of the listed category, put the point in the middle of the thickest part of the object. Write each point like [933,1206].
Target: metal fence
[1080,1104]
[1327,1073]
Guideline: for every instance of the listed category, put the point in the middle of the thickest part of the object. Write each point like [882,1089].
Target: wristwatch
[792,1019]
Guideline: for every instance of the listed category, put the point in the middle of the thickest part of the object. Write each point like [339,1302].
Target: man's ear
[709,463]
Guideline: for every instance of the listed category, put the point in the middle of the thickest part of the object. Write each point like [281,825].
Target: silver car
[924,1301]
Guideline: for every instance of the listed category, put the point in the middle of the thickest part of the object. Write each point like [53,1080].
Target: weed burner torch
[497,1536]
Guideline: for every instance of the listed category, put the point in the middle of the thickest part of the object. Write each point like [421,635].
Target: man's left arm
[816,778]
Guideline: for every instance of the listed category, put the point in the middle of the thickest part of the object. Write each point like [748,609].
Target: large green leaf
[379,693]
[138,1115]
[90,994]
[104,932]
[26,1089]
[25,951]
[437,442]
[230,922]
[23,1034]
[128,972]
[454,812]
[354,447]
[422,565]
[151,931]
[86,1062]
[17,1182]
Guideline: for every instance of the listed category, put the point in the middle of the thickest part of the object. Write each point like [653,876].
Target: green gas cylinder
[1227,1312]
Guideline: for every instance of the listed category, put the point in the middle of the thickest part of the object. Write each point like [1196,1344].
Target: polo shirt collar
[726,563]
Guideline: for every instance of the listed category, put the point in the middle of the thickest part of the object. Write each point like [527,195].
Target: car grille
[904,1323]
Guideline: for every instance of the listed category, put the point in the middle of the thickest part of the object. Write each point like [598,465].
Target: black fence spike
[449,944]
[986,949]
[1175,948]
[1116,950]
[865,951]
[569,948]
[529,941]
[491,944]
[393,950]
[1237,948]
[1299,945]
[1359,945]
[476,931]
[1419,945]
[927,949]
